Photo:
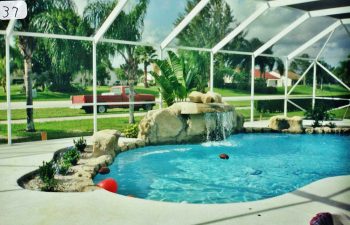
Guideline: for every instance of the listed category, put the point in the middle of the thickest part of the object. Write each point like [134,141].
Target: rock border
[80,178]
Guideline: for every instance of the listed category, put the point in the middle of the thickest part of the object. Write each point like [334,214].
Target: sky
[162,14]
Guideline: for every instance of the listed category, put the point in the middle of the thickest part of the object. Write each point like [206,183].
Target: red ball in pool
[109,185]
[224,156]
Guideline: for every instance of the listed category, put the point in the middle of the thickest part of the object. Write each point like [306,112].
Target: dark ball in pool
[224,156]
[104,170]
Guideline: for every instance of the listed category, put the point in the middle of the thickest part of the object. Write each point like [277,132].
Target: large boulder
[286,124]
[209,97]
[295,125]
[105,142]
[195,97]
[189,122]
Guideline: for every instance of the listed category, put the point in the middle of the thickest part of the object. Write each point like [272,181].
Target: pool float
[324,218]
[224,156]
[109,185]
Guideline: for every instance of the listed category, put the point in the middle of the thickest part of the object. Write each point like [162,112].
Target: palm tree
[127,26]
[2,74]
[66,57]
[27,44]
[145,55]
[262,61]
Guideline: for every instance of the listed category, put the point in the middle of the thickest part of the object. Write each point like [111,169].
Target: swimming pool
[259,166]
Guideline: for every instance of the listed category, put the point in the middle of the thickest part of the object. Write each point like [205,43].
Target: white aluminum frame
[98,37]
[8,34]
[110,19]
[314,40]
[188,18]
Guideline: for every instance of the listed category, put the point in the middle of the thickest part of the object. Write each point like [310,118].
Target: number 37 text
[13,10]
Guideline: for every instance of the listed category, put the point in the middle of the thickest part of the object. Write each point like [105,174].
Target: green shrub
[49,185]
[131,131]
[47,171]
[331,125]
[47,174]
[63,167]
[80,144]
[318,114]
[72,156]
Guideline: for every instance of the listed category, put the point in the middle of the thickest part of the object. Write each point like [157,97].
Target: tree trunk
[29,94]
[145,74]
[131,100]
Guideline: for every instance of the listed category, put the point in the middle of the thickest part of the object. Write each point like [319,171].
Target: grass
[17,94]
[327,90]
[62,129]
[18,114]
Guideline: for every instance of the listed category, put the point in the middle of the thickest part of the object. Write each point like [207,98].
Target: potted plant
[80,144]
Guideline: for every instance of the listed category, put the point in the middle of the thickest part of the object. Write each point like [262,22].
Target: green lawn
[56,112]
[62,129]
[327,90]
[17,94]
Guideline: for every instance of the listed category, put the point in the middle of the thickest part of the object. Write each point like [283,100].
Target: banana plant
[174,78]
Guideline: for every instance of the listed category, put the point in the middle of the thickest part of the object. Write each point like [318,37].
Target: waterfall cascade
[219,125]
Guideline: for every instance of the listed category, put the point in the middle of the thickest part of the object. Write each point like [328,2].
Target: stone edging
[307,130]
[80,178]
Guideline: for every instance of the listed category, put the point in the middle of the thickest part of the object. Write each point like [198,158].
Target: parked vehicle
[117,94]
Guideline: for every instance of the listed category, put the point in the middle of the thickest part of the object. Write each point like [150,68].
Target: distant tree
[145,55]
[128,26]
[27,44]
[209,27]
[3,26]
[322,76]
[120,73]
[262,61]
[299,66]
[279,66]
[103,71]
[2,74]
[66,57]
[343,71]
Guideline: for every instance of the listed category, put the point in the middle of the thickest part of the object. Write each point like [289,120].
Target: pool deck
[19,206]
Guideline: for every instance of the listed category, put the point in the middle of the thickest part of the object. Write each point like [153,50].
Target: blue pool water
[260,166]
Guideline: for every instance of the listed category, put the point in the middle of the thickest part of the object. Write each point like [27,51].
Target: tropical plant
[174,78]
[145,55]
[80,143]
[128,26]
[47,174]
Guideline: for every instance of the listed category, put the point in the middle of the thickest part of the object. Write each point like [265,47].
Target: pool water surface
[259,166]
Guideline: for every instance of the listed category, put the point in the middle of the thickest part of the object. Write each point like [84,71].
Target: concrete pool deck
[19,206]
